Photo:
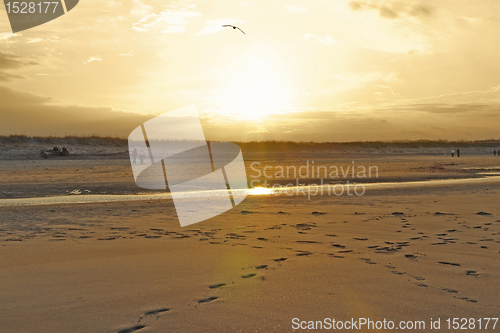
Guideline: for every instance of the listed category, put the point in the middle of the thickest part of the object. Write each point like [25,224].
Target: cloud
[11,61]
[129,54]
[37,115]
[402,122]
[140,8]
[393,10]
[173,29]
[8,77]
[34,40]
[471,109]
[488,96]
[216,26]
[295,9]
[170,21]
[92,59]
[8,35]
[327,40]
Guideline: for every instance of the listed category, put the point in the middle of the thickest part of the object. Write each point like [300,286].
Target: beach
[274,263]
[249,166]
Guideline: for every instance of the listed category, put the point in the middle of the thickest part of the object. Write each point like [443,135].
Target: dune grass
[66,140]
[259,145]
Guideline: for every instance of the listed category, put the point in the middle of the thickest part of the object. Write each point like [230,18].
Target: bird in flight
[232,26]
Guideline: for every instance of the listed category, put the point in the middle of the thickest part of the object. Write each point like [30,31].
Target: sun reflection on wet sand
[260,191]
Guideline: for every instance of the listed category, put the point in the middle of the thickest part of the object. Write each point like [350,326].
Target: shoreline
[291,190]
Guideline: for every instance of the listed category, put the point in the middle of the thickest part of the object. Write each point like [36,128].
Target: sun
[256,87]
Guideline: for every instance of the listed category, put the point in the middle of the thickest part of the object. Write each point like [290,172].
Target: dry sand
[394,254]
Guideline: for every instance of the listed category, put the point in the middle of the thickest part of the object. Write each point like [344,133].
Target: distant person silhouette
[453,153]
[494,152]
[134,156]
[458,152]
[142,157]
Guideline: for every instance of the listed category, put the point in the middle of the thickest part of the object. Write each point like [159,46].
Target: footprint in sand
[472,273]
[216,286]
[208,300]
[303,253]
[448,263]
[466,299]
[248,276]
[108,238]
[335,256]
[304,226]
[261,267]
[386,249]
[155,312]
[132,329]
[451,291]
[279,259]
[368,261]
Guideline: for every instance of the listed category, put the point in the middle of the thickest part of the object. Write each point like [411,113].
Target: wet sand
[395,253]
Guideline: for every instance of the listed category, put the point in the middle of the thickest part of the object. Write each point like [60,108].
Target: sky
[323,70]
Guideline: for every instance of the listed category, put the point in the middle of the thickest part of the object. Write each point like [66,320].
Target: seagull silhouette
[232,26]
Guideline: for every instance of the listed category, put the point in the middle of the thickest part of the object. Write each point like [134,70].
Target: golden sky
[336,70]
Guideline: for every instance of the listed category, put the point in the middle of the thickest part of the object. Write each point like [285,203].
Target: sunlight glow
[256,87]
